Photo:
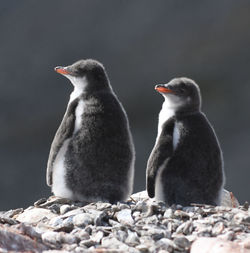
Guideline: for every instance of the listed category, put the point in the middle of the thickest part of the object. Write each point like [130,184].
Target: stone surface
[138,225]
[35,215]
[217,245]
[124,217]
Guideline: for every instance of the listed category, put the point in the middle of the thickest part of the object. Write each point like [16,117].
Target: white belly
[59,187]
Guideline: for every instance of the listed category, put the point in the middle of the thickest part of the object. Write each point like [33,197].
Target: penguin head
[181,94]
[88,75]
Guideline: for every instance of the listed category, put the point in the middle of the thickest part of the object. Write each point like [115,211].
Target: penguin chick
[186,163]
[92,155]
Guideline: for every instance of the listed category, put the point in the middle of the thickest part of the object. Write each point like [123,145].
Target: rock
[113,243]
[165,244]
[124,217]
[141,206]
[81,234]
[181,214]
[120,235]
[138,225]
[51,237]
[143,195]
[65,208]
[227,236]
[11,213]
[87,243]
[55,222]
[68,238]
[218,228]
[35,215]
[168,213]
[228,199]
[40,201]
[246,243]
[156,233]
[132,239]
[101,218]
[142,248]
[97,237]
[82,220]
[181,243]
[100,206]
[11,240]
[217,245]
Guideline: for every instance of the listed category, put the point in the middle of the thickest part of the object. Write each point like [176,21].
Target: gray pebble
[181,243]
[81,234]
[165,244]
[68,238]
[132,239]
[55,208]
[82,220]
[120,235]
[181,214]
[87,243]
[141,206]
[51,237]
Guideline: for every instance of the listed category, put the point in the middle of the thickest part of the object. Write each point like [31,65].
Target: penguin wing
[162,150]
[64,132]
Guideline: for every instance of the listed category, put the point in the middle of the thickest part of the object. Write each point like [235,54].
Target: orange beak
[162,89]
[62,70]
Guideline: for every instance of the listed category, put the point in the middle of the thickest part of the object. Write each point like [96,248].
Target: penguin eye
[182,90]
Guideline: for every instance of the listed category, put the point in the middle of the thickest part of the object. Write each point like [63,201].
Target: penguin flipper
[162,150]
[64,132]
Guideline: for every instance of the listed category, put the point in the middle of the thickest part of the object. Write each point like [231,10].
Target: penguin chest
[176,135]
[164,115]
[79,111]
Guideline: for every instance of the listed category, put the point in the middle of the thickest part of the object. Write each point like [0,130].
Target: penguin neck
[80,85]
[179,108]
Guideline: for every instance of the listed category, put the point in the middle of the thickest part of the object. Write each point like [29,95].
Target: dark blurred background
[141,43]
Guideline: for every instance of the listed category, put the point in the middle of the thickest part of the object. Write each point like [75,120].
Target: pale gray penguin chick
[186,163]
[92,155]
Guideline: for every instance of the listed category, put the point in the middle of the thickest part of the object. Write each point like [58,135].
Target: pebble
[139,225]
[165,244]
[87,243]
[97,237]
[82,220]
[132,239]
[218,228]
[168,213]
[51,237]
[113,243]
[181,243]
[35,215]
[124,217]
[65,208]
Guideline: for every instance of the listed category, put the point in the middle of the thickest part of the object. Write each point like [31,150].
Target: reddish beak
[61,70]
[163,89]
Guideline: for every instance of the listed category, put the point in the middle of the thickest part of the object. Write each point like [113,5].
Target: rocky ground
[138,225]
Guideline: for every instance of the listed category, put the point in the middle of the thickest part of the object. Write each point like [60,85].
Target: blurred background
[141,43]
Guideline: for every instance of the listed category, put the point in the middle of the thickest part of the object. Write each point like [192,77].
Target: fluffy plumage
[99,154]
[186,164]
